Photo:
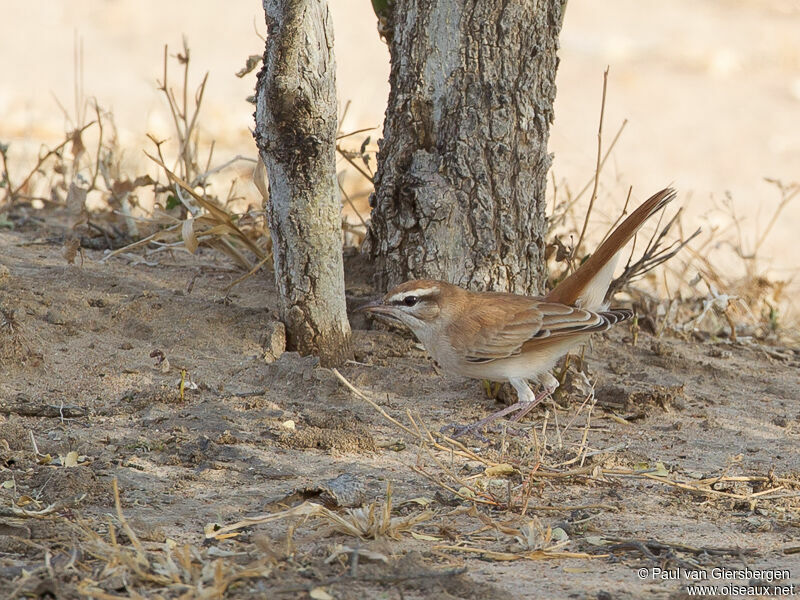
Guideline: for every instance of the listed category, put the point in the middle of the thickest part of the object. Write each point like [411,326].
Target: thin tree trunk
[296,136]
[460,187]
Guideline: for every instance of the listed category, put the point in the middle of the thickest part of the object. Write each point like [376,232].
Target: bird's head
[417,304]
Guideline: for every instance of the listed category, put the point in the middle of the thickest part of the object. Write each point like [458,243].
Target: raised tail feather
[587,286]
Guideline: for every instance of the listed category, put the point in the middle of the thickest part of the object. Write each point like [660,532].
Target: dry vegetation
[560,488]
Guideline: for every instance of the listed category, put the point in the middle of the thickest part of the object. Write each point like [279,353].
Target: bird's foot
[459,431]
[521,408]
[530,405]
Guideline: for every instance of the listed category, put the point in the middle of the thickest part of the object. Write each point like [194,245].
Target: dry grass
[735,303]
[499,520]
[123,566]
[509,471]
[366,522]
[143,215]
[107,207]
[110,559]
[559,451]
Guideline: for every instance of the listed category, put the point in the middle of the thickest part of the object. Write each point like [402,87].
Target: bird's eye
[410,300]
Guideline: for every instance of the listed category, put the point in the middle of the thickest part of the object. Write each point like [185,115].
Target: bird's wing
[498,330]
[495,331]
[561,321]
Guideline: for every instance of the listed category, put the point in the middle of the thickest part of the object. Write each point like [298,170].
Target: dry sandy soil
[78,374]
[690,456]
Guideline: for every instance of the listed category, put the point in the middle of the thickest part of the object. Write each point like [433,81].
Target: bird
[510,337]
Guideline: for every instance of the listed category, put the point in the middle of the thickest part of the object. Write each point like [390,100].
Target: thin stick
[124,522]
[534,555]
[356,132]
[586,429]
[460,448]
[382,412]
[786,198]
[41,159]
[574,200]
[98,158]
[366,175]
[350,202]
[597,165]
[200,177]
[450,489]
[556,508]
[622,214]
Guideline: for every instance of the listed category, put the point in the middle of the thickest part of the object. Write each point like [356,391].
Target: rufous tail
[587,286]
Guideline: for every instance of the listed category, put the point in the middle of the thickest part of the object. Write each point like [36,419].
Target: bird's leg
[549,385]
[459,431]
[526,401]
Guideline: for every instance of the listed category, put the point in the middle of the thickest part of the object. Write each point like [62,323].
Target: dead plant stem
[576,249]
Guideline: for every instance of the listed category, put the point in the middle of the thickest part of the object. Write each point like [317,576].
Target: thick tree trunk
[296,136]
[460,187]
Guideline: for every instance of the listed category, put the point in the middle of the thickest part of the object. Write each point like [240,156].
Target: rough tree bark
[460,186]
[295,132]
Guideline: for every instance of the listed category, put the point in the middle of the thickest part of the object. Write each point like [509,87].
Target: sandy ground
[78,374]
[711,91]
[710,100]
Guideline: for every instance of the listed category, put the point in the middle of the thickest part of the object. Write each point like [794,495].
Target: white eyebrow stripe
[419,293]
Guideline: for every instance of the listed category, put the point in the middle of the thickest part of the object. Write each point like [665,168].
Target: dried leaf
[595,540]
[213,210]
[421,500]
[187,233]
[126,186]
[661,470]
[260,179]
[210,532]
[70,460]
[466,492]
[76,205]
[425,537]
[77,144]
[252,62]
[501,470]
[320,594]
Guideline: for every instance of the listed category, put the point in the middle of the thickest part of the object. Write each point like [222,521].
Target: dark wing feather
[583,324]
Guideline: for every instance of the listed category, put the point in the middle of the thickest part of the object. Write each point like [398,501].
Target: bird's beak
[376,306]
[380,310]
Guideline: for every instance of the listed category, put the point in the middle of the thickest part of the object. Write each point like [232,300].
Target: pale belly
[527,366]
